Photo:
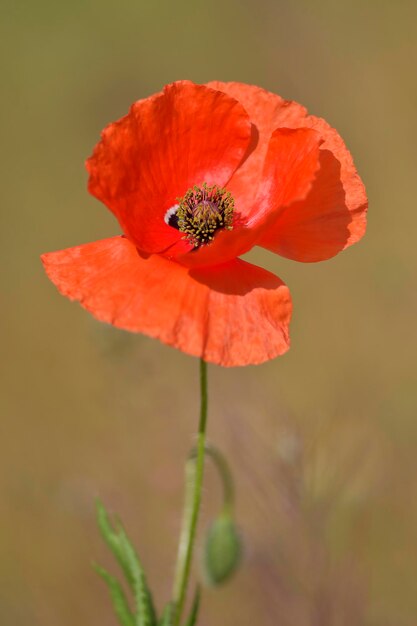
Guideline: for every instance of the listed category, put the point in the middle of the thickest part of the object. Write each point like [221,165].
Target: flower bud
[222,550]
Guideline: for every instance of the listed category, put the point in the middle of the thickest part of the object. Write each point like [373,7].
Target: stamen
[201,213]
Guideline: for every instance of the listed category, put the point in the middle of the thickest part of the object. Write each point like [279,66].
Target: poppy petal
[186,135]
[234,314]
[267,111]
[333,215]
[289,170]
[322,224]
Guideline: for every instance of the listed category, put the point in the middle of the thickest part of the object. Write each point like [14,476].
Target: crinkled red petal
[234,314]
[332,216]
[321,225]
[267,112]
[186,135]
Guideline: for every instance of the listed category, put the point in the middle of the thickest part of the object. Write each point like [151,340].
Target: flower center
[201,213]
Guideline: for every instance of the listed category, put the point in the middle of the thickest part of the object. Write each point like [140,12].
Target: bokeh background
[323,441]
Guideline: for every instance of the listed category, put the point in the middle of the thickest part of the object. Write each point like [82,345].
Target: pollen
[202,212]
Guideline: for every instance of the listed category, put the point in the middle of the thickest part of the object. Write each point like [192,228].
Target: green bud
[222,550]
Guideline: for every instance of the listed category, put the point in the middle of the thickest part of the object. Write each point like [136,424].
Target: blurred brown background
[322,441]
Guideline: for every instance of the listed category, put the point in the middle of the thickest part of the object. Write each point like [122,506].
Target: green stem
[194,483]
[225,474]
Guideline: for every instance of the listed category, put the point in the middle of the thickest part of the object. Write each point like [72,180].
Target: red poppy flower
[196,176]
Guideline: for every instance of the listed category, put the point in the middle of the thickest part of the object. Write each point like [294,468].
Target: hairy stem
[194,482]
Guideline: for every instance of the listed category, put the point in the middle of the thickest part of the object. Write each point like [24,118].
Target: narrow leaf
[112,540]
[146,615]
[167,618]
[118,597]
[192,618]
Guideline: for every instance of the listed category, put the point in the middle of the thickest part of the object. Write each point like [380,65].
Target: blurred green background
[323,441]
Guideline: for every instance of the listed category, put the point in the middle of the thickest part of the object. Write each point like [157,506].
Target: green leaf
[118,597]
[192,618]
[167,618]
[112,539]
[222,551]
[146,615]
[122,548]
